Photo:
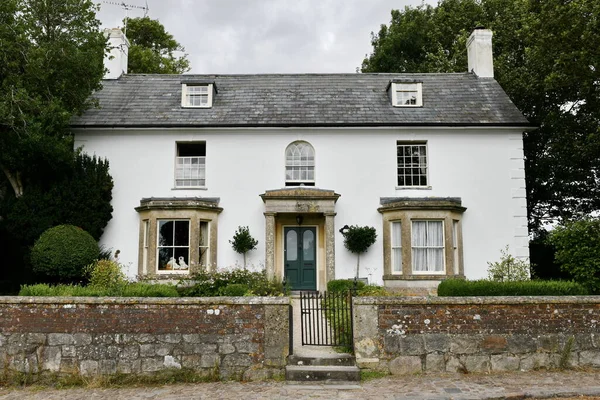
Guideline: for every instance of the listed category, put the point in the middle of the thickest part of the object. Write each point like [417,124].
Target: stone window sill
[413,188]
[420,277]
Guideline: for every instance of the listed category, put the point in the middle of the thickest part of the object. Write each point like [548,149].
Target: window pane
[203,240]
[396,234]
[419,260]
[182,233]
[435,233]
[435,260]
[419,233]
[308,246]
[165,259]
[397,257]
[182,259]
[291,249]
[165,233]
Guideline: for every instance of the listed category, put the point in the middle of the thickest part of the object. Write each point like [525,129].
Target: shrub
[62,253]
[457,287]
[243,241]
[106,274]
[235,289]
[343,285]
[129,290]
[508,269]
[358,239]
[140,289]
[208,284]
[578,251]
[44,289]
[373,290]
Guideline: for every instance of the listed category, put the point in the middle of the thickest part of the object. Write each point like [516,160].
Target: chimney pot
[479,53]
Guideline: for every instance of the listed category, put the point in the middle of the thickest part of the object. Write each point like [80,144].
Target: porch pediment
[300,200]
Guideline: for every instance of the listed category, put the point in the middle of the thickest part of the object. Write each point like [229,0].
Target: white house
[433,161]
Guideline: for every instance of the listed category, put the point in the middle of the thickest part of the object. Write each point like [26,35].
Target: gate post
[366,333]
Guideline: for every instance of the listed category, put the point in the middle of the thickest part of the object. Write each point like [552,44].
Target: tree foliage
[80,196]
[358,239]
[243,241]
[51,61]
[153,49]
[547,58]
[578,250]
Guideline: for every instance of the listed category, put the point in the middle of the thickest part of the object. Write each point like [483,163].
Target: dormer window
[197,95]
[406,94]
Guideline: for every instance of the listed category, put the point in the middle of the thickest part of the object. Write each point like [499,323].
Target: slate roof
[282,100]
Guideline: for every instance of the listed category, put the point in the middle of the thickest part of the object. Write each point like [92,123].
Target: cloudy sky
[261,36]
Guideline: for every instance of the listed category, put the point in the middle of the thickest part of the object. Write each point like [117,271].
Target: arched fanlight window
[300,164]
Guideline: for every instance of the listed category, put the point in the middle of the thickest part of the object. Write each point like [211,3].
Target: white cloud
[268,36]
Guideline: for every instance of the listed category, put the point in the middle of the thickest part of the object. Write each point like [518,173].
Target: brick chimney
[118,50]
[479,53]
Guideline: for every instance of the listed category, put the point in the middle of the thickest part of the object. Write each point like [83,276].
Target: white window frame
[394,247]
[206,246]
[455,253]
[401,143]
[299,182]
[186,93]
[158,246]
[442,271]
[407,87]
[145,244]
[180,168]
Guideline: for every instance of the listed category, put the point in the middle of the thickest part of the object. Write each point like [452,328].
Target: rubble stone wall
[243,337]
[477,334]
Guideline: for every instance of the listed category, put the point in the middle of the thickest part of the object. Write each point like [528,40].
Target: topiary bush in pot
[243,242]
[358,239]
[62,253]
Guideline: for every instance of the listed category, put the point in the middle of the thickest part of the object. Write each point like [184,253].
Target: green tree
[547,58]
[51,61]
[578,250]
[358,239]
[243,241]
[153,49]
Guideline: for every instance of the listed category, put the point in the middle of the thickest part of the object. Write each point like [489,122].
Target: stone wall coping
[178,301]
[425,300]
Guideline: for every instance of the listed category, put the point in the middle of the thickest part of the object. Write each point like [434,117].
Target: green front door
[300,255]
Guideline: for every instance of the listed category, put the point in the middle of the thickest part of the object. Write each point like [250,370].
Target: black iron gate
[326,318]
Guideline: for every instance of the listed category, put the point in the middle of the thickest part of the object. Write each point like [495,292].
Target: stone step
[337,359]
[320,373]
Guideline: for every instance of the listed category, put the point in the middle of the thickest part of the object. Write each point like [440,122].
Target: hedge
[138,289]
[457,287]
[342,285]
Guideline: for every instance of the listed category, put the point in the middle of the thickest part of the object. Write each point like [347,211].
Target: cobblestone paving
[422,387]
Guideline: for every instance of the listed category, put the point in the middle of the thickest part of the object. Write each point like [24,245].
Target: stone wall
[476,334]
[232,337]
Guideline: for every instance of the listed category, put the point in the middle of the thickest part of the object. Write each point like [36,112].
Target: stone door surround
[300,201]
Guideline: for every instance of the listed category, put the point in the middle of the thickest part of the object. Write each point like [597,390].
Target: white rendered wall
[483,168]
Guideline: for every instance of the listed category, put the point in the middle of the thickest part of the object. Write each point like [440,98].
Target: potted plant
[358,239]
[243,242]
